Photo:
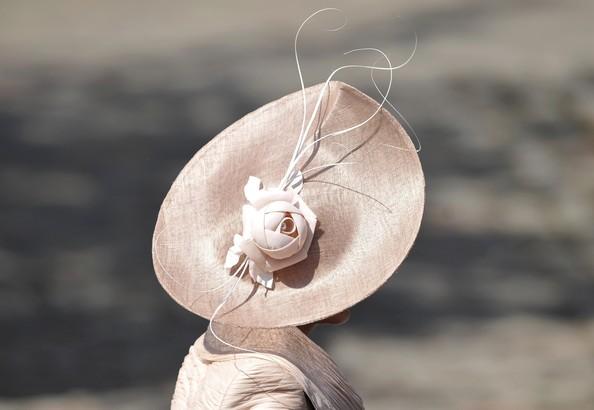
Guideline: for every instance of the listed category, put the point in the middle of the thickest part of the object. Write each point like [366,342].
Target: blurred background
[103,102]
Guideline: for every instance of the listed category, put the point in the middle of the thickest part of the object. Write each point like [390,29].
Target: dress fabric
[249,381]
[250,368]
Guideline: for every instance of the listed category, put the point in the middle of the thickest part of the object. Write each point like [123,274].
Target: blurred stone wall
[102,103]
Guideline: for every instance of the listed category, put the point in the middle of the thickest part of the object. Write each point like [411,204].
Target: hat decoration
[304,240]
[277,231]
[278,225]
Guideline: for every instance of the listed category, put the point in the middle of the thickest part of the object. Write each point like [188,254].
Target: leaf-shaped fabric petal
[232,258]
[261,276]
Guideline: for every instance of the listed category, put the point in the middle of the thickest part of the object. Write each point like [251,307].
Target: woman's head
[336,319]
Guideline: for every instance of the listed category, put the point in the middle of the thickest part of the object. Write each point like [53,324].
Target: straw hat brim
[369,211]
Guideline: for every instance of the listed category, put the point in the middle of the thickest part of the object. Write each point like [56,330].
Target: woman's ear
[338,319]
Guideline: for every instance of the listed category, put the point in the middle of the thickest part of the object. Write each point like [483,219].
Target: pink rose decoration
[278,229]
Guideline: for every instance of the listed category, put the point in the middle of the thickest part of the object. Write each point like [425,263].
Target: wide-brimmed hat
[267,233]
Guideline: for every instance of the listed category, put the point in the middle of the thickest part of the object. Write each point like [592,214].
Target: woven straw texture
[369,212]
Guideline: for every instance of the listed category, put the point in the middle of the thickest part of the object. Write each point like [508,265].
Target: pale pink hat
[266,244]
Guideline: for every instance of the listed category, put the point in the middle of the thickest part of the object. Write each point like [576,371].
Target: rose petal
[251,188]
[287,226]
[252,251]
[272,220]
[257,229]
[301,225]
[274,265]
[280,206]
[237,239]
[277,240]
[308,214]
[264,197]
[232,258]
[286,251]
[248,213]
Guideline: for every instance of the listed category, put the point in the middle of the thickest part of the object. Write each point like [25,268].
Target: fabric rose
[278,229]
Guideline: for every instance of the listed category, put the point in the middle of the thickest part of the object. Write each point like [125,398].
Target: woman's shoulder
[241,381]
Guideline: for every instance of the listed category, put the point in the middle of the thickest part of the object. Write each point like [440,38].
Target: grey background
[103,102]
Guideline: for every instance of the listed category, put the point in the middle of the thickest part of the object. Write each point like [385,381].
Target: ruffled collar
[311,366]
